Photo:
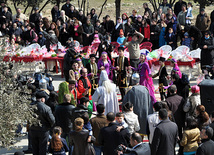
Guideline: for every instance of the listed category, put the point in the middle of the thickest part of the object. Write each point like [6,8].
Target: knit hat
[96,36]
[121,32]
[195,89]
[139,16]
[162,59]
[186,34]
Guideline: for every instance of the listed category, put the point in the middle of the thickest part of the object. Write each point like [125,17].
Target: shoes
[28,151]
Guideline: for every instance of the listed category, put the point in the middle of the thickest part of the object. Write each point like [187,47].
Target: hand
[168,77]
[119,128]
[205,47]
[152,32]
[41,29]
[192,38]
[135,31]
[102,68]
[86,91]
[89,139]
[87,35]
[50,78]
[75,29]
[117,68]
[92,74]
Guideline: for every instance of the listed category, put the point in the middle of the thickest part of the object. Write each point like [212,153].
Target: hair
[184,5]
[74,61]
[110,116]
[158,106]
[136,136]
[120,48]
[176,77]
[208,131]
[134,11]
[163,114]
[108,86]
[127,106]
[119,114]
[84,100]
[100,108]
[56,143]
[204,115]
[173,89]
[191,123]
[78,122]
[189,3]
[67,98]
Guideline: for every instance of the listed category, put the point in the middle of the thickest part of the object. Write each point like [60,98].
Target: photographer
[139,148]
[208,71]
[134,48]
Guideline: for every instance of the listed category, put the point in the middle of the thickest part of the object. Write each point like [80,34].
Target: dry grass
[126,7]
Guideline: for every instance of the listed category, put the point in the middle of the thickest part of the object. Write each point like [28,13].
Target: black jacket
[156,30]
[109,26]
[68,57]
[165,138]
[63,114]
[162,73]
[176,103]
[66,8]
[45,116]
[110,138]
[206,148]
[79,111]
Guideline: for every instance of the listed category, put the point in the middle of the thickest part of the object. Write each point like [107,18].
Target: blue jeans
[98,149]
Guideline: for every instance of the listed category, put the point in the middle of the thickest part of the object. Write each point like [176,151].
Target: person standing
[121,64]
[134,48]
[66,7]
[88,31]
[203,21]
[97,123]
[106,94]
[42,122]
[207,52]
[165,136]
[109,138]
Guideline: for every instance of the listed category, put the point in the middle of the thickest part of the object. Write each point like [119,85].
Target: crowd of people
[84,116]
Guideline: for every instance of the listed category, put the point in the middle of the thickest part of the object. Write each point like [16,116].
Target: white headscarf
[104,81]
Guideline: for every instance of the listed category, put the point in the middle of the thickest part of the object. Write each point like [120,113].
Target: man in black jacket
[154,37]
[165,136]
[139,148]
[63,114]
[110,138]
[207,145]
[66,7]
[40,125]
[35,18]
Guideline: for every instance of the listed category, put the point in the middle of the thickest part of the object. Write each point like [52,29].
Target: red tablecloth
[59,59]
[24,59]
[180,63]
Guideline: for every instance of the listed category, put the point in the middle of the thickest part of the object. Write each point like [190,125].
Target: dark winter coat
[206,147]
[66,8]
[207,55]
[88,29]
[41,41]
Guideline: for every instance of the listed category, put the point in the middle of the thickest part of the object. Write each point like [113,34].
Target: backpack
[36,36]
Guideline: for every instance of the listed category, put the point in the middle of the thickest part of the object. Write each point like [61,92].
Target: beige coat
[190,140]
[204,24]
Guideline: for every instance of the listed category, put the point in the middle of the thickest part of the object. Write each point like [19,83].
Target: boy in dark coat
[162,73]
[121,64]
[171,38]
[154,34]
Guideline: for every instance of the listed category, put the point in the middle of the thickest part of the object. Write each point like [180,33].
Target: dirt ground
[126,7]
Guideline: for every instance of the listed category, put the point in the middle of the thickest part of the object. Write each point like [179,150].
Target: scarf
[121,62]
[94,68]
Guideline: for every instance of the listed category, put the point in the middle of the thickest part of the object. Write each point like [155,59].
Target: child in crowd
[171,38]
[187,40]
[87,125]
[58,145]
[121,38]
[189,15]
[121,122]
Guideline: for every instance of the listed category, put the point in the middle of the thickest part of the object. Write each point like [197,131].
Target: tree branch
[101,11]
[48,1]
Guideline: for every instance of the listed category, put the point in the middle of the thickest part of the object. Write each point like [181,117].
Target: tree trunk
[101,11]
[14,4]
[44,5]
[117,4]
[84,7]
[58,3]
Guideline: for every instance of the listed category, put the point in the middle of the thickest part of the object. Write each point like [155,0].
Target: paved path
[22,143]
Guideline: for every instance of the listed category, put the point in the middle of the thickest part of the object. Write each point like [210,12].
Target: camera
[119,148]
[210,71]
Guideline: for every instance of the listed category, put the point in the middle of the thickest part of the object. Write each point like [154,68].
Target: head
[139,18]
[163,114]
[40,96]
[100,108]
[119,117]
[84,101]
[128,106]
[104,56]
[68,2]
[164,1]
[190,4]
[134,12]
[207,34]
[5,9]
[93,11]
[183,7]
[88,21]
[157,106]
[72,8]
[62,13]
[134,38]
[56,143]
[92,58]
[173,62]
[110,117]
[121,51]
[154,22]
[107,18]
[170,30]
[67,98]
[206,132]
[136,138]
[191,123]
[172,89]
[18,11]
[162,60]
[135,79]
[14,25]
[75,65]
[78,122]
[84,72]
[53,26]
[145,5]
[72,84]
[57,130]
[175,78]
[142,57]
[202,11]
[36,10]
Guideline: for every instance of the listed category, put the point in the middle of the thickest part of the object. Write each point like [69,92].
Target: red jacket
[147,32]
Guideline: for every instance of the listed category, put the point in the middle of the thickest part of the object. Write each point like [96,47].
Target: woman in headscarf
[145,76]
[106,94]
